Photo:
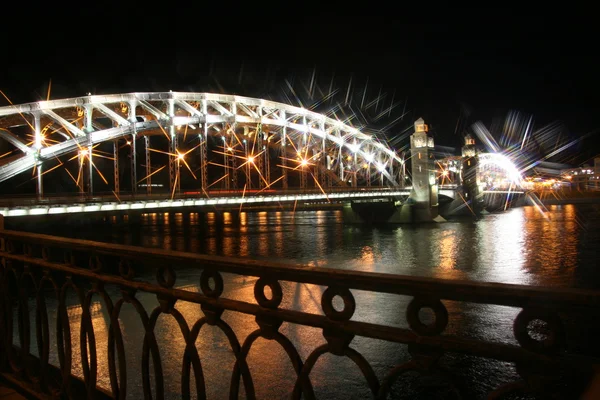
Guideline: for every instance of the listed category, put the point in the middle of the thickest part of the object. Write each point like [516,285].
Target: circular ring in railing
[555,336]
[205,277]
[414,321]
[95,264]
[125,269]
[327,303]
[276,292]
[165,276]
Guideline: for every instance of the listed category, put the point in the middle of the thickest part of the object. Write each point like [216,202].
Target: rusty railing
[36,268]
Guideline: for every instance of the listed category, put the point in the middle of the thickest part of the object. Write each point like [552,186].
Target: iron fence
[37,267]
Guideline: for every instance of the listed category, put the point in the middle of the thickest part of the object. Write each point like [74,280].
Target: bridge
[171,150]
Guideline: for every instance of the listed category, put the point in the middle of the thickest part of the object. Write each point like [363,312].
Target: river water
[557,248]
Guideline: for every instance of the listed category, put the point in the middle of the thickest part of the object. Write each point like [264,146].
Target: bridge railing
[37,268]
[73,198]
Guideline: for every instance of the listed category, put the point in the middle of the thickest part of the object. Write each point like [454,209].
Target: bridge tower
[424,193]
[473,195]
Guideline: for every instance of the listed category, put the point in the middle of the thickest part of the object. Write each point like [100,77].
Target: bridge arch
[328,146]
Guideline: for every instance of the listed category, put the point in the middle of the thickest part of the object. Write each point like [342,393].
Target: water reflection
[518,246]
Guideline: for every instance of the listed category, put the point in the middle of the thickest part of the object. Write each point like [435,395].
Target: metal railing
[37,267]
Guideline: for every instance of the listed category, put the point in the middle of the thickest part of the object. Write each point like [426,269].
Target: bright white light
[229,149]
[503,162]
[353,148]
[304,162]
[445,173]
[180,156]
[369,157]
[380,167]
[17,213]
[84,152]
[251,159]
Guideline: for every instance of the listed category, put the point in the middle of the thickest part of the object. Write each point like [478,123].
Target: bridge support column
[233,176]
[174,161]
[424,193]
[133,120]
[80,176]
[116,166]
[148,165]
[39,188]
[133,164]
[90,171]
[260,158]
[284,179]
[247,166]
[227,180]
[203,150]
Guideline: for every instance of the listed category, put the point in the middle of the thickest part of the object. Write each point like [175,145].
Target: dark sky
[486,62]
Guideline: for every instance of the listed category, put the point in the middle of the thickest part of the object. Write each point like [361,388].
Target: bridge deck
[76,204]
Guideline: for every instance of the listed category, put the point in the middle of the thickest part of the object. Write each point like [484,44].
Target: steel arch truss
[314,145]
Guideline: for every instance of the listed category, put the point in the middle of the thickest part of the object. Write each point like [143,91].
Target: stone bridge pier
[422,203]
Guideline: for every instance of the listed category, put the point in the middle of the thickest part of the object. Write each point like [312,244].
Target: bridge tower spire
[424,192]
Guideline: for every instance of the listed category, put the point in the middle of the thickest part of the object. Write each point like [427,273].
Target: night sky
[476,66]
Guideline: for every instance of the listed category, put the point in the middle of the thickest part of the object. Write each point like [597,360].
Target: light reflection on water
[519,246]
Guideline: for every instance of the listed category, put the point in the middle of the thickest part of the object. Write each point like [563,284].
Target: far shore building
[585,177]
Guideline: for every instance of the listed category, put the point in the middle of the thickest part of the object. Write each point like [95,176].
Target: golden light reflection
[556,234]
[367,258]
[262,218]
[448,251]
[210,218]
[244,244]
[448,255]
